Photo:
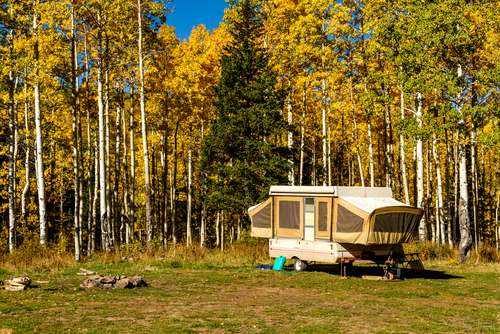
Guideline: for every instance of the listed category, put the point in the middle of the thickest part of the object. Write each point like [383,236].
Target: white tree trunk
[74,92]
[403,159]
[355,135]
[302,135]
[465,237]
[173,189]
[420,170]
[217,229]
[473,154]
[147,179]
[131,227]
[222,231]
[12,111]
[39,144]
[203,218]
[96,189]
[439,192]
[12,160]
[116,181]
[329,154]
[126,195]
[109,199]
[291,174]
[323,131]
[91,217]
[448,191]
[370,150]
[370,140]
[189,240]
[102,141]
[429,175]
[28,152]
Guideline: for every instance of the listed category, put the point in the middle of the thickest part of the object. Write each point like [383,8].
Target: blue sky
[190,13]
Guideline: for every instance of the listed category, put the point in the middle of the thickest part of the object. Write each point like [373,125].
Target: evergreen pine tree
[243,153]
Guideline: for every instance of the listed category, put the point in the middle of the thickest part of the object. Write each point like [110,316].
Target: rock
[91,284]
[20,279]
[107,280]
[86,272]
[123,283]
[136,281]
[15,287]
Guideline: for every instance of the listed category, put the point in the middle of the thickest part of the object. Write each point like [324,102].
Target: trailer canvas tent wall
[333,224]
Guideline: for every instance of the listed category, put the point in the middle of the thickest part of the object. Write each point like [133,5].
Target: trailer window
[347,221]
[323,216]
[397,222]
[289,214]
[262,219]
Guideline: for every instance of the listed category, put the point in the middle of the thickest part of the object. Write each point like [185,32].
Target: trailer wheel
[299,265]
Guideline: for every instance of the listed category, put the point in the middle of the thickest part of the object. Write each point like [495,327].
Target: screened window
[262,219]
[323,216]
[347,221]
[289,212]
[397,222]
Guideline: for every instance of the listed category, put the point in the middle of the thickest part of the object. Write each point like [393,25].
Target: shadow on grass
[372,270]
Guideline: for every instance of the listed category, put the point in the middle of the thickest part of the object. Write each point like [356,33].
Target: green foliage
[242,155]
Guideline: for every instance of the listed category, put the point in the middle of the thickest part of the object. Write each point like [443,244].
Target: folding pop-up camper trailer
[334,224]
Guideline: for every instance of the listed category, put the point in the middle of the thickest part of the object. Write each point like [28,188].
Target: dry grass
[37,258]
[432,251]
[245,252]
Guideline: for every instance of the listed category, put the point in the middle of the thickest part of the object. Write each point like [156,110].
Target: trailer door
[309,218]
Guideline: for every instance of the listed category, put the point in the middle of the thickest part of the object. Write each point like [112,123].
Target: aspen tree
[147,180]
[74,93]
[90,219]
[13,81]
[38,129]
[102,141]
[28,152]
[439,192]
[131,227]
[402,153]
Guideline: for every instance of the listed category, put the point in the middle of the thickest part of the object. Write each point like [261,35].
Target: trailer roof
[333,191]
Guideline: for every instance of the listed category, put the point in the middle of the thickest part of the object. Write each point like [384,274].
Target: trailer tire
[299,265]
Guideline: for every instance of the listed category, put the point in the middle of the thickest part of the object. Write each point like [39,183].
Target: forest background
[106,115]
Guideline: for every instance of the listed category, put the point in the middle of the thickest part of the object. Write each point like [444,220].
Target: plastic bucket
[279,263]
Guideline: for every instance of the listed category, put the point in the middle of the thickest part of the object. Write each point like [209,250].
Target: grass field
[219,297]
